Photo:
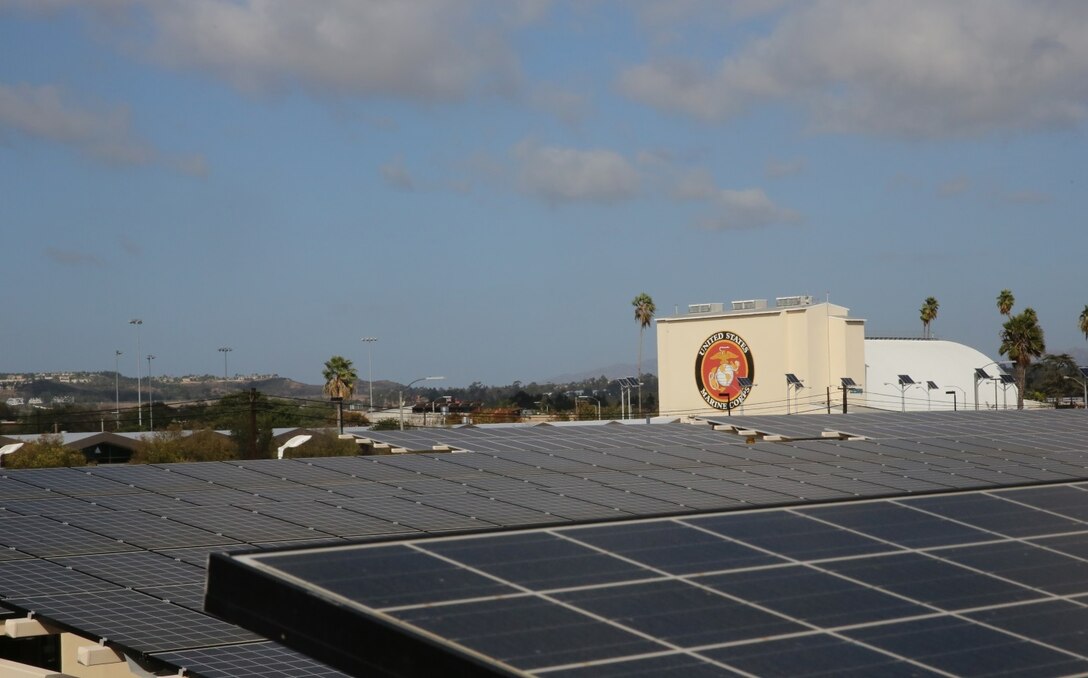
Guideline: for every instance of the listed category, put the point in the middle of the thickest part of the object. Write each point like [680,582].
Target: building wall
[819,343]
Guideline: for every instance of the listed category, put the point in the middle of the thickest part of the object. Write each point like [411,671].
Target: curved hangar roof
[949,365]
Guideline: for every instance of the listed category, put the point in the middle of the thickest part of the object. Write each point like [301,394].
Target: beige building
[736,358]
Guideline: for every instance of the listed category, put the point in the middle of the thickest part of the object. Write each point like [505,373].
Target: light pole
[225,350]
[585,397]
[953,394]
[150,396]
[117,388]
[400,395]
[1082,382]
[139,394]
[370,368]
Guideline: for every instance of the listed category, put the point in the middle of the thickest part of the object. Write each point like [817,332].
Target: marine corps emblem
[722,359]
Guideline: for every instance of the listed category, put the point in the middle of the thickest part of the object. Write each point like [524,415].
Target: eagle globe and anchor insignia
[722,359]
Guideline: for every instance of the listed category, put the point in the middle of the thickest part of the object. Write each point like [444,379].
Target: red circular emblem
[723,359]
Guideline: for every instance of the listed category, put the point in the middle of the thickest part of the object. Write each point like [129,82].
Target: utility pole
[252,423]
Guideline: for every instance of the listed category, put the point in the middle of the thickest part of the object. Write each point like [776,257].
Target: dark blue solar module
[884,587]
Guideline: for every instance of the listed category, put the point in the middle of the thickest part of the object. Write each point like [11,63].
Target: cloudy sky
[484,186]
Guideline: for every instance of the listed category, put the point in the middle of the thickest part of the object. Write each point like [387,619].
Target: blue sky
[486,185]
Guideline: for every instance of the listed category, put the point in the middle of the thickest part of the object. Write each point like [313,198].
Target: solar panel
[932,385]
[745,382]
[792,379]
[981,373]
[847,381]
[561,475]
[133,619]
[901,586]
[905,380]
[252,660]
[1083,371]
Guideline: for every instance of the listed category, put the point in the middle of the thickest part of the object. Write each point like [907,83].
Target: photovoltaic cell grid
[519,476]
[981,583]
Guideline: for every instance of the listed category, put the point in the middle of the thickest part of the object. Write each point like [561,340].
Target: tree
[340,380]
[644,315]
[1022,340]
[929,314]
[1005,302]
[48,451]
[1082,322]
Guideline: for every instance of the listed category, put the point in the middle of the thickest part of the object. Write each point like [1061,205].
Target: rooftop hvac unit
[749,305]
[800,300]
[706,308]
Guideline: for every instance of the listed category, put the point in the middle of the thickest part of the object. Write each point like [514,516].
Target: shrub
[47,452]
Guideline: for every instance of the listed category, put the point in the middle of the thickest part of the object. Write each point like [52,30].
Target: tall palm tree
[1005,301]
[340,380]
[929,314]
[1022,340]
[644,315]
[1082,322]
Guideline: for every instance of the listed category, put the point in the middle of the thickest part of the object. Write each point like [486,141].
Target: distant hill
[614,371]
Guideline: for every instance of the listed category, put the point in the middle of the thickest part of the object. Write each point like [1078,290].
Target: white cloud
[777,169]
[568,106]
[746,209]
[397,175]
[924,68]
[694,185]
[45,112]
[102,133]
[953,187]
[416,49]
[572,175]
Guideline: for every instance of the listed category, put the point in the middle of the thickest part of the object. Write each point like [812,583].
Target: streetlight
[370,368]
[1082,382]
[117,388]
[585,397]
[225,350]
[953,394]
[139,394]
[150,397]
[400,395]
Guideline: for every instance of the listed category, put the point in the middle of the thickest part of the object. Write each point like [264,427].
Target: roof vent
[749,305]
[800,300]
[706,308]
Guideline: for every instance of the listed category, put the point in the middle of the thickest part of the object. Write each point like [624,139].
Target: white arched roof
[948,364]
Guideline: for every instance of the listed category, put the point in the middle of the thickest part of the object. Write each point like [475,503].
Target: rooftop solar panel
[252,660]
[557,475]
[891,585]
[134,620]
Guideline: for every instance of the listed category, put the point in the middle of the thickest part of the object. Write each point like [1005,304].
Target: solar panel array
[112,538]
[981,583]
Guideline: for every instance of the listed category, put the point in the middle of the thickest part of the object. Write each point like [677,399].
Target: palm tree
[929,313]
[644,315]
[340,380]
[1082,322]
[1022,340]
[1005,301]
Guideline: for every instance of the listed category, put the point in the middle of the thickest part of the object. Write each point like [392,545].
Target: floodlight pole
[150,396]
[225,350]
[139,394]
[370,368]
[117,388]
[400,395]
